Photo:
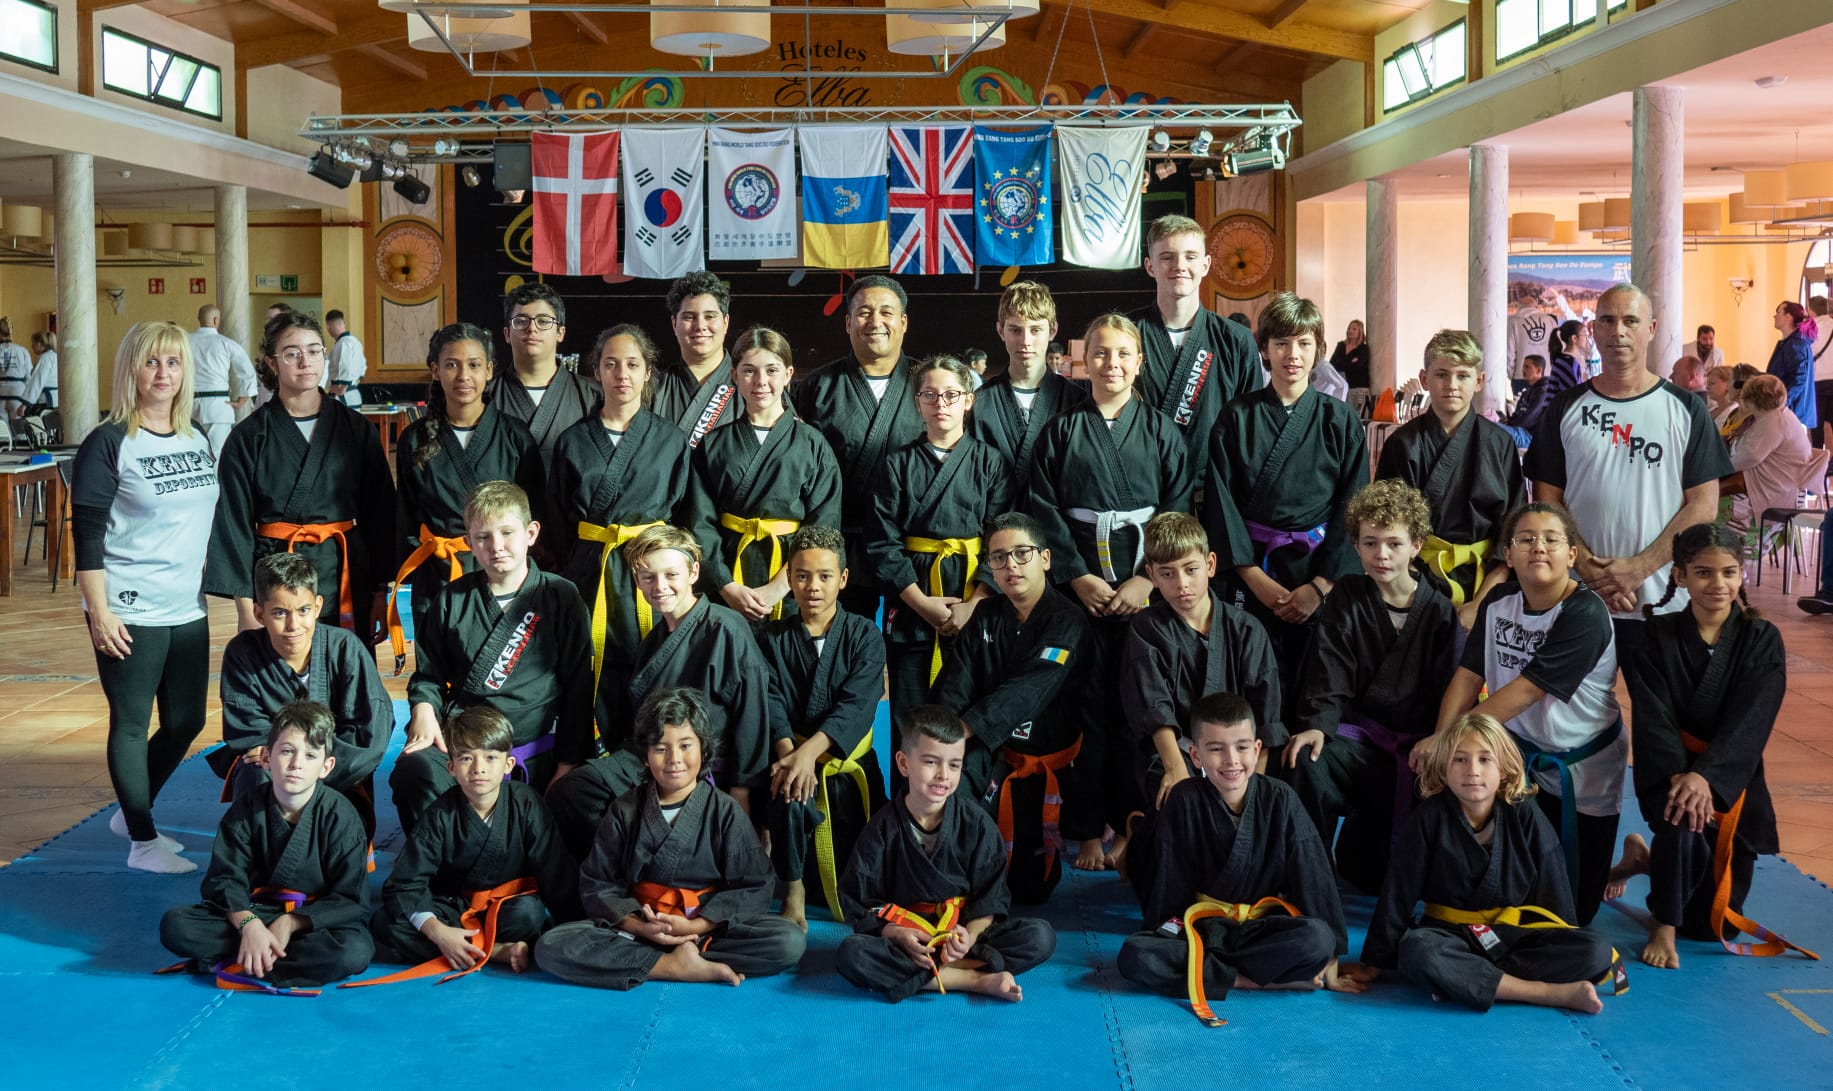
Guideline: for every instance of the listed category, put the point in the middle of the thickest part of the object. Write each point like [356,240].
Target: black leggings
[169,665]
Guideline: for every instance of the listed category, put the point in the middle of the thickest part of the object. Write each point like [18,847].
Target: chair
[1793,519]
[39,517]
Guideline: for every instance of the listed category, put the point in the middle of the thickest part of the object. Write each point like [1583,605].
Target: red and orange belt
[1768,943]
[480,914]
[312,534]
[1031,765]
[1207,908]
[937,920]
[678,900]
[432,548]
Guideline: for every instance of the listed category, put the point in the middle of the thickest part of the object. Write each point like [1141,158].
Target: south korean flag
[664,202]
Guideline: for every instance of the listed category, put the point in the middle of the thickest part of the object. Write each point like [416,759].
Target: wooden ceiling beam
[1047,23]
[85,6]
[1139,40]
[380,29]
[394,58]
[1203,18]
[588,27]
[1283,14]
[301,14]
[1241,52]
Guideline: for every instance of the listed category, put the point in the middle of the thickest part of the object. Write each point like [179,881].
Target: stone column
[1383,321]
[1489,270]
[80,361]
[232,266]
[1655,220]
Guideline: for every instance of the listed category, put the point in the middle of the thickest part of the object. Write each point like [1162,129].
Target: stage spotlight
[327,169]
[413,190]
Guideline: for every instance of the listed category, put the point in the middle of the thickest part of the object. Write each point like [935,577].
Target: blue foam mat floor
[78,942]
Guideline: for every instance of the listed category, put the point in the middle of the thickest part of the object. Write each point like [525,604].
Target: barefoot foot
[1661,951]
[1000,986]
[1090,857]
[685,963]
[1578,996]
[517,955]
[1117,857]
[795,904]
[1633,862]
[1116,854]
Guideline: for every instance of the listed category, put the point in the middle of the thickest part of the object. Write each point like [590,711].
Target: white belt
[1104,523]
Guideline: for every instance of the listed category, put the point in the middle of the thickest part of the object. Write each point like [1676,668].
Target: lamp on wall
[1740,285]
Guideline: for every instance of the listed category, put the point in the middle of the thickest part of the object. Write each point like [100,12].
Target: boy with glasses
[536,391]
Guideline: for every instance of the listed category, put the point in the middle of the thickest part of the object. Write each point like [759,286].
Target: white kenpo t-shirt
[142,508]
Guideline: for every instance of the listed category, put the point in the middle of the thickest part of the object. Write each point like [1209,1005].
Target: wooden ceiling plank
[590,28]
[288,48]
[395,60]
[1283,14]
[1235,56]
[1203,18]
[102,5]
[1140,37]
[1047,24]
[301,14]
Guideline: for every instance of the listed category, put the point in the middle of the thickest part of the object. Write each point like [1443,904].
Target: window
[1420,68]
[144,70]
[28,33]
[1522,25]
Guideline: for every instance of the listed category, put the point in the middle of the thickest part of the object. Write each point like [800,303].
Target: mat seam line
[641,1053]
[1110,1015]
[141,1077]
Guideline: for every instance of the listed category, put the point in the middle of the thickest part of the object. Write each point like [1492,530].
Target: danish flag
[575,203]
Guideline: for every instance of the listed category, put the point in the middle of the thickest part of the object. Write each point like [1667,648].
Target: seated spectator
[1532,402]
[1719,400]
[1739,418]
[1689,374]
[1771,455]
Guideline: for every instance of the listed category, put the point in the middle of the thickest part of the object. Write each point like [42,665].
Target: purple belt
[1391,742]
[1266,539]
[529,750]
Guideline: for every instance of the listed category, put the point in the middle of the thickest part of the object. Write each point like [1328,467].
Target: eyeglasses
[543,322]
[1529,541]
[1020,556]
[294,357]
[946,397]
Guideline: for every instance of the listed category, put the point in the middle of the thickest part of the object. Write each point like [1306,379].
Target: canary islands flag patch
[1056,655]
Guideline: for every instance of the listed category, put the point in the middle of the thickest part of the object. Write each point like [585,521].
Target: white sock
[117,824]
[154,857]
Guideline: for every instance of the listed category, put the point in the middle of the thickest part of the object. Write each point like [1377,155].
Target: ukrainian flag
[1056,655]
[846,208]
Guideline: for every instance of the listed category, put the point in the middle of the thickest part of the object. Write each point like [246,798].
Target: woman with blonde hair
[1488,866]
[142,485]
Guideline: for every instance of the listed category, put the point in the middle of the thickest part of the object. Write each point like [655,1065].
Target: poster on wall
[1564,285]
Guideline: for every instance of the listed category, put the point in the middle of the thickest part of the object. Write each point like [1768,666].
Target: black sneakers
[1815,604]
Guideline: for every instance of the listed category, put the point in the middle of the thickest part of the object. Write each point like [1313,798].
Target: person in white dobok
[225,378]
[347,364]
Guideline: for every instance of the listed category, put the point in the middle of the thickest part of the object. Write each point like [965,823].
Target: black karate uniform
[1290,469]
[323,856]
[340,675]
[432,491]
[1471,479]
[454,854]
[1089,478]
[269,473]
[570,398]
[637,480]
[1021,686]
[1002,424]
[919,497]
[862,430]
[790,474]
[1361,670]
[697,406]
[1190,384]
[529,660]
[1440,862]
[889,867]
[833,690]
[710,843]
[1204,851]
[710,650]
[1726,696]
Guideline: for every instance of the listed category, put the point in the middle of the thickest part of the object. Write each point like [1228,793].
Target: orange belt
[432,547]
[1031,765]
[1205,909]
[480,914]
[677,900]
[936,920]
[1769,943]
[311,534]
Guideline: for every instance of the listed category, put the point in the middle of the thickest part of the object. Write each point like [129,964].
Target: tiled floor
[54,720]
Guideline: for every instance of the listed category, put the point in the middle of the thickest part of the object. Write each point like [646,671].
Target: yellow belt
[944,548]
[824,833]
[756,530]
[1526,916]
[1207,908]
[1446,557]
[613,537]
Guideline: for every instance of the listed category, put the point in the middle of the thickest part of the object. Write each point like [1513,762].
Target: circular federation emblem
[1012,202]
[662,207]
[751,191]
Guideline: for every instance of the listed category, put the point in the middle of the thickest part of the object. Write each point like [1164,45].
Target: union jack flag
[932,199]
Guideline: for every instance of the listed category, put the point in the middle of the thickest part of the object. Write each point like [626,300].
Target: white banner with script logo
[1101,174]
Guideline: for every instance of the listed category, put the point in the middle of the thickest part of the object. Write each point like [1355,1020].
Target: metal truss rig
[468,136]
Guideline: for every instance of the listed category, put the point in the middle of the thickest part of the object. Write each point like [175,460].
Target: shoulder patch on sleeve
[1056,655]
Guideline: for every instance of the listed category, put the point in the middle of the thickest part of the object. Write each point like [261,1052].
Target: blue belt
[1562,761]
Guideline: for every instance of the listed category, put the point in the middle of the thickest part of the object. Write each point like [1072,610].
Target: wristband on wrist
[243,923]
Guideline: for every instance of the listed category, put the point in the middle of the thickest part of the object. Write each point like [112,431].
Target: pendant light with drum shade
[1808,182]
[1531,227]
[504,25]
[964,11]
[150,236]
[713,31]
[21,222]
